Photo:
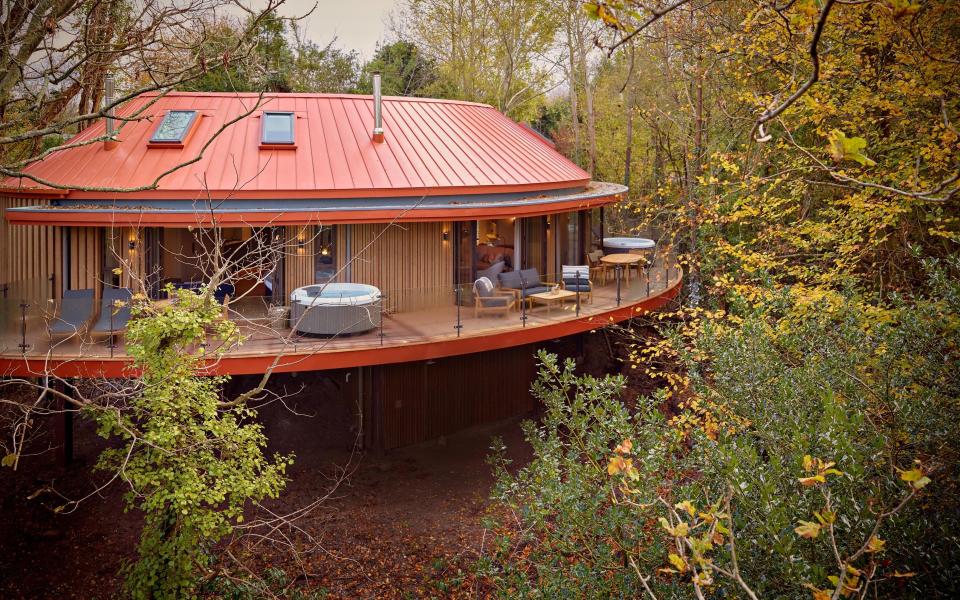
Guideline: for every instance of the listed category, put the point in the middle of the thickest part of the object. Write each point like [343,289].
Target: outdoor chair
[491,300]
[602,271]
[76,310]
[114,313]
[576,278]
[524,283]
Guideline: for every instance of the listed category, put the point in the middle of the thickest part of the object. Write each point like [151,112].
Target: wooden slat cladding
[415,402]
[411,263]
[29,255]
[86,257]
[131,261]
[535,244]
[298,265]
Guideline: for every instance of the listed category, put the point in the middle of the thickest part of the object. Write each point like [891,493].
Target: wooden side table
[549,299]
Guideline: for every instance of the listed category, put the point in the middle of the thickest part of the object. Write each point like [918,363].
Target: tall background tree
[55,55]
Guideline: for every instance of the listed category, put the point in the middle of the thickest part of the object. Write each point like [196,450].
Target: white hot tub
[335,308]
[621,245]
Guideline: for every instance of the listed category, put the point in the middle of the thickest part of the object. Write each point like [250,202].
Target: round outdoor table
[622,260]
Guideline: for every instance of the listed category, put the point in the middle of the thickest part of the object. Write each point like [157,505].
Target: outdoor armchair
[491,300]
[576,278]
[75,312]
[114,312]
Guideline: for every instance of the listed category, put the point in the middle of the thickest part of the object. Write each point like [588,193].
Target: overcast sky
[357,24]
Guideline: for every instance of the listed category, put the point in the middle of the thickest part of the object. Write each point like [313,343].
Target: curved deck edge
[241,364]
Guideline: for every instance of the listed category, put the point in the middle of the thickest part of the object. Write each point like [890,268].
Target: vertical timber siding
[419,401]
[132,261]
[29,255]
[86,257]
[298,265]
[411,263]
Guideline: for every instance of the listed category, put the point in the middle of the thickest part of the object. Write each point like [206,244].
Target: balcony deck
[427,333]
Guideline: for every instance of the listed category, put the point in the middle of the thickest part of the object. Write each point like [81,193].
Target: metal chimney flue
[108,94]
[377,110]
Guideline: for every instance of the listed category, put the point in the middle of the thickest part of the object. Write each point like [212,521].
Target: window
[325,255]
[174,127]
[277,128]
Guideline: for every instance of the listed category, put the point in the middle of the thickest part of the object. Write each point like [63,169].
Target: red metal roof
[431,147]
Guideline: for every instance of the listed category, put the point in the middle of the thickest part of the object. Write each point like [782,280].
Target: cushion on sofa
[540,289]
[531,277]
[492,272]
[494,301]
[510,280]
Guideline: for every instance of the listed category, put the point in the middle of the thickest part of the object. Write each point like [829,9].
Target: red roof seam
[430,144]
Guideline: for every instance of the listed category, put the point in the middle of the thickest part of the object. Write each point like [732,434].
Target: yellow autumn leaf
[678,562]
[818,594]
[615,465]
[808,529]
[625,447]
[687,507]
[843,148]
[812,480]
[118,271]
[915,478]
[876,545]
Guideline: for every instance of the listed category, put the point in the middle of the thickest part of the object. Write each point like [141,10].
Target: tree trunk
[572,84]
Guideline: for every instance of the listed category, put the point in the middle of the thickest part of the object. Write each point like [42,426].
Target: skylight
[277,128]
[174,127]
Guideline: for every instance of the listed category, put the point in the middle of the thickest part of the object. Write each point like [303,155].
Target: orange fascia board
[195,194]
[132,218]
[427,349]
[34,192]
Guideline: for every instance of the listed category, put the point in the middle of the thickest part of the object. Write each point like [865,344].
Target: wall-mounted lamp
[325,251]
[132,244]
[446,235]
[300,244]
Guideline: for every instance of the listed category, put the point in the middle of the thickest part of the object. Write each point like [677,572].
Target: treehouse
[387,239]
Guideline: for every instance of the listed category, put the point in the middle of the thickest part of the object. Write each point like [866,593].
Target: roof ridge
[421,99]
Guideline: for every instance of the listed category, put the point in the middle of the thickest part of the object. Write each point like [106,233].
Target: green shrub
[829,468]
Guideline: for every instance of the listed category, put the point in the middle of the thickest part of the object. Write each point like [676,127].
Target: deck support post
[619,277]
[112,343]
[23,327]
[523,299]
[458,292]
[578,291]
[62,422]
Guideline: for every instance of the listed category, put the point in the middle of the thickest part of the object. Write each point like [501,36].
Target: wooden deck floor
[435,324]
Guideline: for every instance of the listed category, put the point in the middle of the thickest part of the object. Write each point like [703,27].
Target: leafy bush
[191,461]
[829,467]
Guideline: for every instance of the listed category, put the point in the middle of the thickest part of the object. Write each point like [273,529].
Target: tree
[487,51]
[283,61]
[404,69]
[55,55]
[775,159]
[326,69]
[811,460]
[191,462]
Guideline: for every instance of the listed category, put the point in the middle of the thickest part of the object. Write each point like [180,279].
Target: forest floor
[404,523]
